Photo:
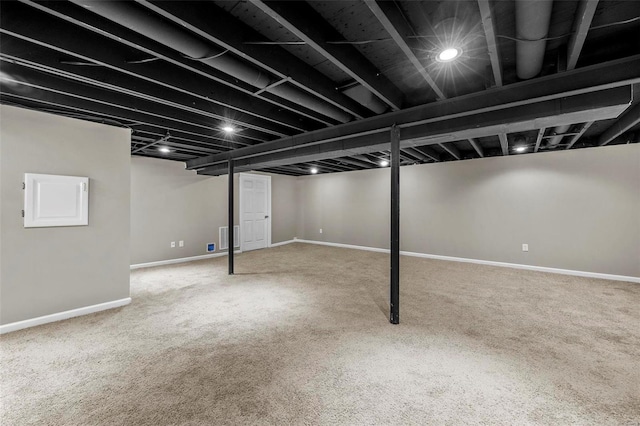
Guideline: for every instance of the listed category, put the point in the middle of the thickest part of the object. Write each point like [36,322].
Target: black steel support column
[394,317]
[230,228]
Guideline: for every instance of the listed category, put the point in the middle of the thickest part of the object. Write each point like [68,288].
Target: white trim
[350,246]
[484,262]
[14,326]
[180,260]
[241,177]
[281,243]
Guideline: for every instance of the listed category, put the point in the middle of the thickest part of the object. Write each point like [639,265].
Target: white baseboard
[180,260]
[14,326]
[484,262]
[281,243]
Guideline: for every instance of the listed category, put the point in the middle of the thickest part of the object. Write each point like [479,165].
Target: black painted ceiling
[176,73]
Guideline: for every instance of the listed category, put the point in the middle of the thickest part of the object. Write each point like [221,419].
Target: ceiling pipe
[149,25]
[532,25]
[553,142]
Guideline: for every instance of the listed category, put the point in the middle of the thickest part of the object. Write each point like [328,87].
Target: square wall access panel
[51,200]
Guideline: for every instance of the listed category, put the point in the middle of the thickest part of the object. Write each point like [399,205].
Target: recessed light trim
[449,54]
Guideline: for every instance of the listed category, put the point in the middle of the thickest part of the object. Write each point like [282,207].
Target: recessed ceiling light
[313,170]
[384,163]
[164,150]
[521,148]
[448,54]
[229,129]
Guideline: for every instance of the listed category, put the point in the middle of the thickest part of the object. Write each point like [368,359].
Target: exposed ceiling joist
[581,25]
[504,143]
[477,146]
[222,28]
[604,104]
[581,80]
[429,152]
[300,19]
[120,84]
[396,25]
[355,162]
[451,149]
[492,44]
[539,138]
[151,144]
[173,117]
[174,71]
[628,120]
[415,153]
[577,136]
[57,100]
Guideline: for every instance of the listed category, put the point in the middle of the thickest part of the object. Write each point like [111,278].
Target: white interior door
[255,211]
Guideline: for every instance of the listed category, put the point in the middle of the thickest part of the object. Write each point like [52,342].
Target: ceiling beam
[415,153]
[477,146]
[504,143]
[628,120]
[214,24]
[354,162]
[16,75]
[492,42]
[46,60]
[151,144]
[577,136]
[581,25]
[579,81]
[451,149]
[334,167]
[551,113]
[539,138]
[400,30]
[92,109]
[429,152]
[60,105]
[280,171]
[306,24]
[172,71]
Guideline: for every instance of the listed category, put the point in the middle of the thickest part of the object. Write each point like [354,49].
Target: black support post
[230,229]
[394,317]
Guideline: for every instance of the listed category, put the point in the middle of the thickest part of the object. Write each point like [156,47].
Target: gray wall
[577,209]
[169,203]
[50,270]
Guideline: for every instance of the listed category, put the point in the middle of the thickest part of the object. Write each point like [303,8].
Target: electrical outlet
[321,230]
[181,243]
[173,244]
[525,247]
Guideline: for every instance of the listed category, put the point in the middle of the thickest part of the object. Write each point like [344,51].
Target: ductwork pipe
[136,19]
[555,140]
[532,25]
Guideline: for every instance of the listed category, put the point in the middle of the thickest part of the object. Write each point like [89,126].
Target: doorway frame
[241,178]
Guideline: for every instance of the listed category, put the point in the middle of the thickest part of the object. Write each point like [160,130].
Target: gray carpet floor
[300,336]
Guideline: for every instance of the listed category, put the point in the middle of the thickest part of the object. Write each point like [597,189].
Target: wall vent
[224,237]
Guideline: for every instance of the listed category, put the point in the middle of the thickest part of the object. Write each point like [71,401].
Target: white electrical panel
[51,200]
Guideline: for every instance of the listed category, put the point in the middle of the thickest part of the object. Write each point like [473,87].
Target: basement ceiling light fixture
[449,54]
[520,148]
[384,163]
[164,150]
[314,170]
[229,129]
